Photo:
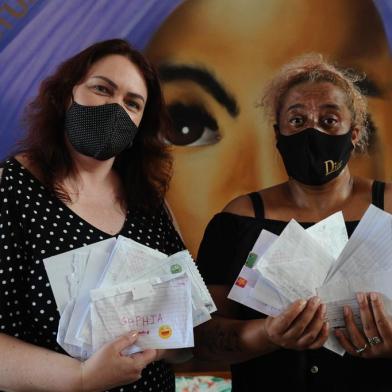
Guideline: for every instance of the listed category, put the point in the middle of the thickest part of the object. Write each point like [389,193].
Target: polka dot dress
[34,225]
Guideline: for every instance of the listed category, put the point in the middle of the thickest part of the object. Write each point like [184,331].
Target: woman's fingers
[283,322]
[143,358]
[368,323]
[315,329]
[346,343]
[374,338]
[356,337]
[124,341]
[321,338]
[137,362]
[310,320]
[301,325]
[110,367]
[382,322]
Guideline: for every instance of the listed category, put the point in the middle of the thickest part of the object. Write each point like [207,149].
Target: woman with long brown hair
[91,166]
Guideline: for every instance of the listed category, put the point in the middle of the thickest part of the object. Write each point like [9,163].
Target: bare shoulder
[241,205]
[273,191]
[364,186]
[388,197]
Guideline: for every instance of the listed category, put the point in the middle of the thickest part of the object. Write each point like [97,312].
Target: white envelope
[162,313]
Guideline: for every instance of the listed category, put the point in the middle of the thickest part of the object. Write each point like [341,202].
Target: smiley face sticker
[165,331]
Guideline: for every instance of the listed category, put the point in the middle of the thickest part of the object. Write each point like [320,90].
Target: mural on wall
[214,57]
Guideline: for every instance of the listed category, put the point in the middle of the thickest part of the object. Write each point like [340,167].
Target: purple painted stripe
[59,30]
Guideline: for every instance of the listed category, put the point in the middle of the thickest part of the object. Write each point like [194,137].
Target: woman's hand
[108,368]
[376,338]
[301,326]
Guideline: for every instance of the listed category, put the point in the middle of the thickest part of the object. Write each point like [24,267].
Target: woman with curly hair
[320,120]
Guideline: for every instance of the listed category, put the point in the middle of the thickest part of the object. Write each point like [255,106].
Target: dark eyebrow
[331,106]
[114,85]
[203,77]
[295,106]
[107,80]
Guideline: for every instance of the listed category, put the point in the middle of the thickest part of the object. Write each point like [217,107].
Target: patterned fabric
[202,383]
[34,224]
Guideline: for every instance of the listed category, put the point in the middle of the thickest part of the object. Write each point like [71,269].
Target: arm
[28,367]
[226,337]
[301,326]
[230,340]
[25,367]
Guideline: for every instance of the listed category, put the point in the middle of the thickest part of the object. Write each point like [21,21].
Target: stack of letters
[109,288]
[319,261]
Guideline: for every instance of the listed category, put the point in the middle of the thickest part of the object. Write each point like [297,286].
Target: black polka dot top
[34,224]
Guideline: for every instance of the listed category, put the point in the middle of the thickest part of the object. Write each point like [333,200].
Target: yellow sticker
[165,331]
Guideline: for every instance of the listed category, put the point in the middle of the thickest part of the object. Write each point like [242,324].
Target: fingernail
[133,334]
[327,325]
[373,296]
[360,297]
[315,300]
[323,310]
[302,303]
[346,310]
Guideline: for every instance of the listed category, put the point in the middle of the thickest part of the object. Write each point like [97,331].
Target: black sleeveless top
[378,188]
[227,241]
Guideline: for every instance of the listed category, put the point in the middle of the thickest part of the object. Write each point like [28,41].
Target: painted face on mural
[214,59]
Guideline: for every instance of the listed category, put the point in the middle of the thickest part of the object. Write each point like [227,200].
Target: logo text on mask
[331,166]
[314,157]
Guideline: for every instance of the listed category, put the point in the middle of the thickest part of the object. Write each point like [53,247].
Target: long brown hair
[144,169]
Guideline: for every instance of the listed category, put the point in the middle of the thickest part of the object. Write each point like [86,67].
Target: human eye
[101,89]
[133,105]
[296,121]
[330,121]
[192,126]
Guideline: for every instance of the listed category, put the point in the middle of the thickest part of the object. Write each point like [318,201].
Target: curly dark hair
[144,169]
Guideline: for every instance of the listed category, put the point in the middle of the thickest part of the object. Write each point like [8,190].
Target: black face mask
[100,132]
[313,157]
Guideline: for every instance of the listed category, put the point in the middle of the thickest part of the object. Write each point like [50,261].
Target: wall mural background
[214,56]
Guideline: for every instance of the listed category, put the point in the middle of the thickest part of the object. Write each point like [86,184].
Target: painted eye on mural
[192,126]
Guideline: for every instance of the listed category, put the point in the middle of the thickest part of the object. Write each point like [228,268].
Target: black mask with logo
[100,132]
[313,157]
